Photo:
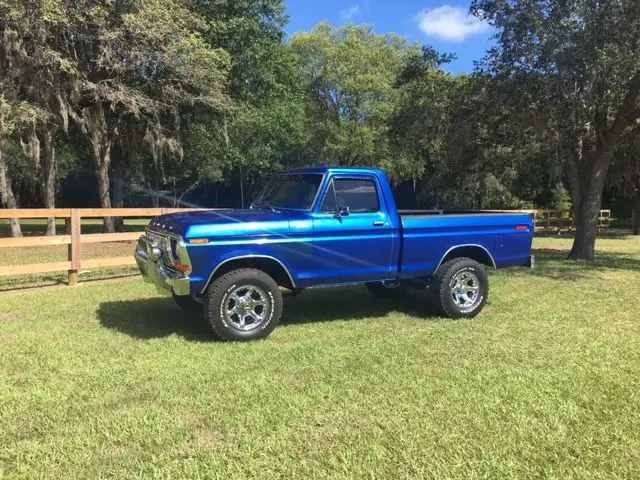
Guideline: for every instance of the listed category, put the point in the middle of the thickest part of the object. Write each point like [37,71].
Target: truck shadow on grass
[160,317]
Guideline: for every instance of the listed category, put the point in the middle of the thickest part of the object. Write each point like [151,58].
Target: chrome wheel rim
[465,289]
[247,307]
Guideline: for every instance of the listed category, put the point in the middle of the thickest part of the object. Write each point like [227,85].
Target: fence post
[548,229]
[74,247]
[560,215]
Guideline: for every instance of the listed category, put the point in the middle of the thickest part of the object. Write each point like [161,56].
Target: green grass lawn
[110,380]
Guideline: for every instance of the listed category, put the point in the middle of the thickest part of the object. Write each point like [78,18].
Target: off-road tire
[217,295]
[442,284]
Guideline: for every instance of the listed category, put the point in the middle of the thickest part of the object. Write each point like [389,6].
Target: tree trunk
[118,189]
[102,175]
[587,185]
[636,217]
[154,191]
[49,178]
[7,196]
[96,125]
[585,216]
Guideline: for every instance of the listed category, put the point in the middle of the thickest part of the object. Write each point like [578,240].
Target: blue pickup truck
[320,226]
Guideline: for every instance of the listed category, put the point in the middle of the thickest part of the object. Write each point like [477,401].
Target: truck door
[353,237]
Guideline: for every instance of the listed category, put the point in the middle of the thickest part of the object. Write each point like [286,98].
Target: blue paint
[324,249]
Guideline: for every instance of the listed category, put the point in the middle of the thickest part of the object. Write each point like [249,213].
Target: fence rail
[74,238]
[551,220]
[548,220]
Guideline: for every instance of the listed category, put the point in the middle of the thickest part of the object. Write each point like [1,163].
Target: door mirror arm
[343,212]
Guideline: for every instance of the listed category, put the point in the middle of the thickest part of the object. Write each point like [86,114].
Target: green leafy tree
[577,64]
[350,86]
[36,73]
[265,129]
[561,200]
[625,178]
[123,72]
[7,195]
[422,118]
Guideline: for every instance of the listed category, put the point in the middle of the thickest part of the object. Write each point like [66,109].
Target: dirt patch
[10,317]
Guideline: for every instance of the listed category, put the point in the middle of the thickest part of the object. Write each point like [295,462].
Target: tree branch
[627,114]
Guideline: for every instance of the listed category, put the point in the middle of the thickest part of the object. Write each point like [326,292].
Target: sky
[444,24]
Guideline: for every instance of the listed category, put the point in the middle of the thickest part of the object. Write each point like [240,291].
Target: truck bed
[429,234]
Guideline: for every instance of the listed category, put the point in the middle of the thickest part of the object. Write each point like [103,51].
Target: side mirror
[343,212]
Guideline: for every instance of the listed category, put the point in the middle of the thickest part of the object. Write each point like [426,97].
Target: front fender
[207,260]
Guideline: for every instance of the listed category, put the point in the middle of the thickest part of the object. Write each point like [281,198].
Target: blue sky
[443,24]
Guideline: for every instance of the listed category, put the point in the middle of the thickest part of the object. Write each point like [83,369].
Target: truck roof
[326,169]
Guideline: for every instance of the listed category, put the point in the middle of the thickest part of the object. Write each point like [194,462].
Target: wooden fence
[551,220]
[554,221]
[74,238]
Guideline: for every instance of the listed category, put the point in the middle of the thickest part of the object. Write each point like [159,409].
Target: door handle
[378,224]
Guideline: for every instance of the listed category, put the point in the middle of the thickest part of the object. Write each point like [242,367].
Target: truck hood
[223,223]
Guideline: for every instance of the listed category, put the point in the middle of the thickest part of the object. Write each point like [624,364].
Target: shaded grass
[113,381]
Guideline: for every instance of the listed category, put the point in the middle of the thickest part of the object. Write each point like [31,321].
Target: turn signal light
[182,267]
[522,228]
[198,241]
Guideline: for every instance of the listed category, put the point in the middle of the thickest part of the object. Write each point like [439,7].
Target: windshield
[290,191]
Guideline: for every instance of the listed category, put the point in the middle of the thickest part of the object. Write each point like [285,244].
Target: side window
[359,195]
[329,202]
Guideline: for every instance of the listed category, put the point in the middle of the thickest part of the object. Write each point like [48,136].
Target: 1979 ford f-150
[321,226]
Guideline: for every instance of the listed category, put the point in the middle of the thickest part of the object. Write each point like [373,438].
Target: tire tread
[217,289]
[439,287]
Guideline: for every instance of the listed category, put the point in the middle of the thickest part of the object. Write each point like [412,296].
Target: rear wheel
[188,303]
[386,289]
[460,288]
[244,304]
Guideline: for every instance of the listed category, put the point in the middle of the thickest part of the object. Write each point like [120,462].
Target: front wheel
[460,288]
[244,304]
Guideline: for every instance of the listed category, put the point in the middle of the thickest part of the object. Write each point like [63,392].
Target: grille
[166,258]
[164,244]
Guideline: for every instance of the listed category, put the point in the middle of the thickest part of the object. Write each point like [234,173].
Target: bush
[561,200]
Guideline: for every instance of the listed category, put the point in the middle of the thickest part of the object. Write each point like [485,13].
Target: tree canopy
[578,65]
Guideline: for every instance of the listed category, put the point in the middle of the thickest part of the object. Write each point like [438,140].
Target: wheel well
[473,252]
[270,266]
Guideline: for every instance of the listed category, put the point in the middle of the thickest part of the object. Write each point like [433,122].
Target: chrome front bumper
[167,281]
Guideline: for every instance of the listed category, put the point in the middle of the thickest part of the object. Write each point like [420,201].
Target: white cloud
[453,24]
[348,13]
